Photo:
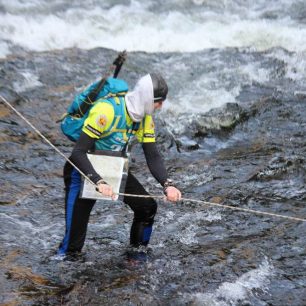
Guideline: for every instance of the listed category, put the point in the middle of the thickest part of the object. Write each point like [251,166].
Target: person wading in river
[148,95]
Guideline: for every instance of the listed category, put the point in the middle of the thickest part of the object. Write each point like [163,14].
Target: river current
[232,132]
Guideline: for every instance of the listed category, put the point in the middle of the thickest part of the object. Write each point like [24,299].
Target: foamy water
[180,229]
[157,26]
[151,26]
[231,293]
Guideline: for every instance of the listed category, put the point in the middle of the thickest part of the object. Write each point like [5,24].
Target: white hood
[140,101]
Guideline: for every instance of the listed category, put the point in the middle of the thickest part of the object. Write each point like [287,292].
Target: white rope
[219,205]
[148,196]
[46,139]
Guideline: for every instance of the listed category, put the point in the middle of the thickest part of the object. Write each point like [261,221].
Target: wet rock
[226,117]
[280,166]
[11,96]
[186,144]
[249,155]
[215,121]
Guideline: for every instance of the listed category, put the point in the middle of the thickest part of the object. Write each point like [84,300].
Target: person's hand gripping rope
[172,193]
[105,189]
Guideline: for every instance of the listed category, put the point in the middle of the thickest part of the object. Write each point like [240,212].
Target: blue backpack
[73,122]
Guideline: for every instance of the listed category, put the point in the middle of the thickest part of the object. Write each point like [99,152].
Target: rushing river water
[232,132]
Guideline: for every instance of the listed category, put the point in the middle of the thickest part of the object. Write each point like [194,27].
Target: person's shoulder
[100,119]
[102,107]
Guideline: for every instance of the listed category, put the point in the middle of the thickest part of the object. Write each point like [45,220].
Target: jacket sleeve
[155,162]
[79,156]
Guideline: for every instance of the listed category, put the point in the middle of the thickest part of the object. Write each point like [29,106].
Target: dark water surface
[250,154]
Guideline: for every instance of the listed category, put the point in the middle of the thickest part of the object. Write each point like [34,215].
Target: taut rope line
[145,196]
[46,139]
[219,205]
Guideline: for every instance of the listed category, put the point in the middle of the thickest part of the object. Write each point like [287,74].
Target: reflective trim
[94,131]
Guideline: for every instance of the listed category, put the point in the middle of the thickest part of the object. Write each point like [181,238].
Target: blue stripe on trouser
[147,231]
[74,189]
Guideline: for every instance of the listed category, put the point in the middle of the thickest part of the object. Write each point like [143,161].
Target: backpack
[73,122]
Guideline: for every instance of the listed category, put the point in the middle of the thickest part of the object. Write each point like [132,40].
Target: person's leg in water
[144,212]
[77,212]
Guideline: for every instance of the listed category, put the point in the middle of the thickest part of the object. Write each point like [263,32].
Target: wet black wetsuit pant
[77,212]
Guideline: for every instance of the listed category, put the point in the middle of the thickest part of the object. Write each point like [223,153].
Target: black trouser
[77,212]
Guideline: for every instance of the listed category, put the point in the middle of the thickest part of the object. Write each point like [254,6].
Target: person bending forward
[109,126]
